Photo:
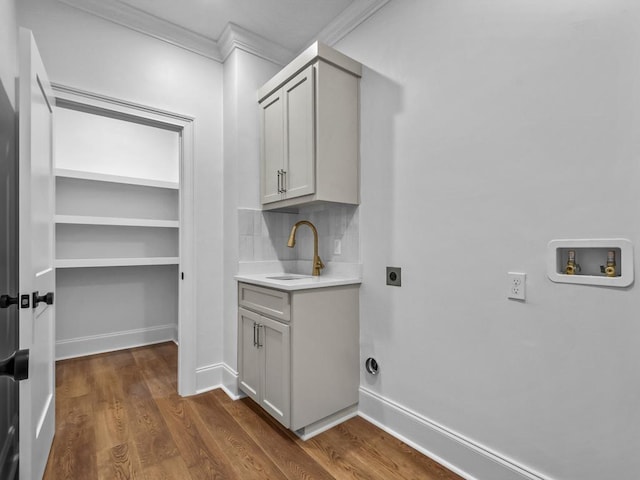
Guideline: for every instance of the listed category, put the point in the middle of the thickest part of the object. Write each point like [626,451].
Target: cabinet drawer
[267,301]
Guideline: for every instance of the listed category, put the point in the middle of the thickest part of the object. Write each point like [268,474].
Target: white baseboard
[233,396]
[218,375]
[454,451]
[325,424]
[230,383]
[209,377]
[109,342]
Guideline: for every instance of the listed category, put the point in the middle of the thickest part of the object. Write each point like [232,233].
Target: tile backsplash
[263,235]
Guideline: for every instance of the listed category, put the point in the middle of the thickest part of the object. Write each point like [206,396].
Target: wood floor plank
[118,416]
[112,425]
[78,381]
[159,376]
[119,463]
[148,430]
[284,446]
[242,452]
[151,435]
[398,457]
[134,385]
[113,361]
[61,372]
[73,411]
[180,423]
[339,459]
[203,461]
[220,466]
[169,469]
[169,352]
[73,453]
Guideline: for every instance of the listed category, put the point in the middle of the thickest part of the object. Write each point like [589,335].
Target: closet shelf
[114,262]
[116,221]
[103,177]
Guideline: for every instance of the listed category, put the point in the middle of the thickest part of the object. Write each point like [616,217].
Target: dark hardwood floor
[119,417]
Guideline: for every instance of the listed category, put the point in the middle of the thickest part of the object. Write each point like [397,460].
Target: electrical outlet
[394,276]
[337,246]
[517,286]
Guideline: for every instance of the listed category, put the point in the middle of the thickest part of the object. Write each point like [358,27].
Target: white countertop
[298,284]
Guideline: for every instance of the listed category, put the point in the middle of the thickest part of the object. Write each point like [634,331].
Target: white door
[36,231]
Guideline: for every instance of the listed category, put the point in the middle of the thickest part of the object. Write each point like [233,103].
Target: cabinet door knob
[284,181]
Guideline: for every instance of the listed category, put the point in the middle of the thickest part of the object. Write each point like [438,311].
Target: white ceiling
[275,29]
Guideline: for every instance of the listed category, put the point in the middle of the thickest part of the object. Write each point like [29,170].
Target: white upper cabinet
[310,131]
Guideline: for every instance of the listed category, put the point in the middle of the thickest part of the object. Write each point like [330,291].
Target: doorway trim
[82,100]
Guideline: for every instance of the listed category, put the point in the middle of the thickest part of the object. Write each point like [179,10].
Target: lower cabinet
[265,363]
[298,353]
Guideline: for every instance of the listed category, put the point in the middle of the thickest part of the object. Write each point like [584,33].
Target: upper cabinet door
[299,101]
[272,146]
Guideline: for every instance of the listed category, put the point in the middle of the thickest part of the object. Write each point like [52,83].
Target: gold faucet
[317,263]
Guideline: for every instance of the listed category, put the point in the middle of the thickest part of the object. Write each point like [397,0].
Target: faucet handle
[317,266]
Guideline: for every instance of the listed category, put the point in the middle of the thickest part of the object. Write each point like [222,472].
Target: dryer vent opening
[371,365]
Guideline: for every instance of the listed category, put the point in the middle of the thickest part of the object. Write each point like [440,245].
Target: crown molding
[233,36]
[147,24]
[349,19]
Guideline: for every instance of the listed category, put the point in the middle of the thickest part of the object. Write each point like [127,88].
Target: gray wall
[488,129]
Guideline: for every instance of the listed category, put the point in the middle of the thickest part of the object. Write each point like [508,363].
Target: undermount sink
[289,276]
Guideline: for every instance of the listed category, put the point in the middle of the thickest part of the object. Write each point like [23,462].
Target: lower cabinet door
[274,346]
[249,361]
